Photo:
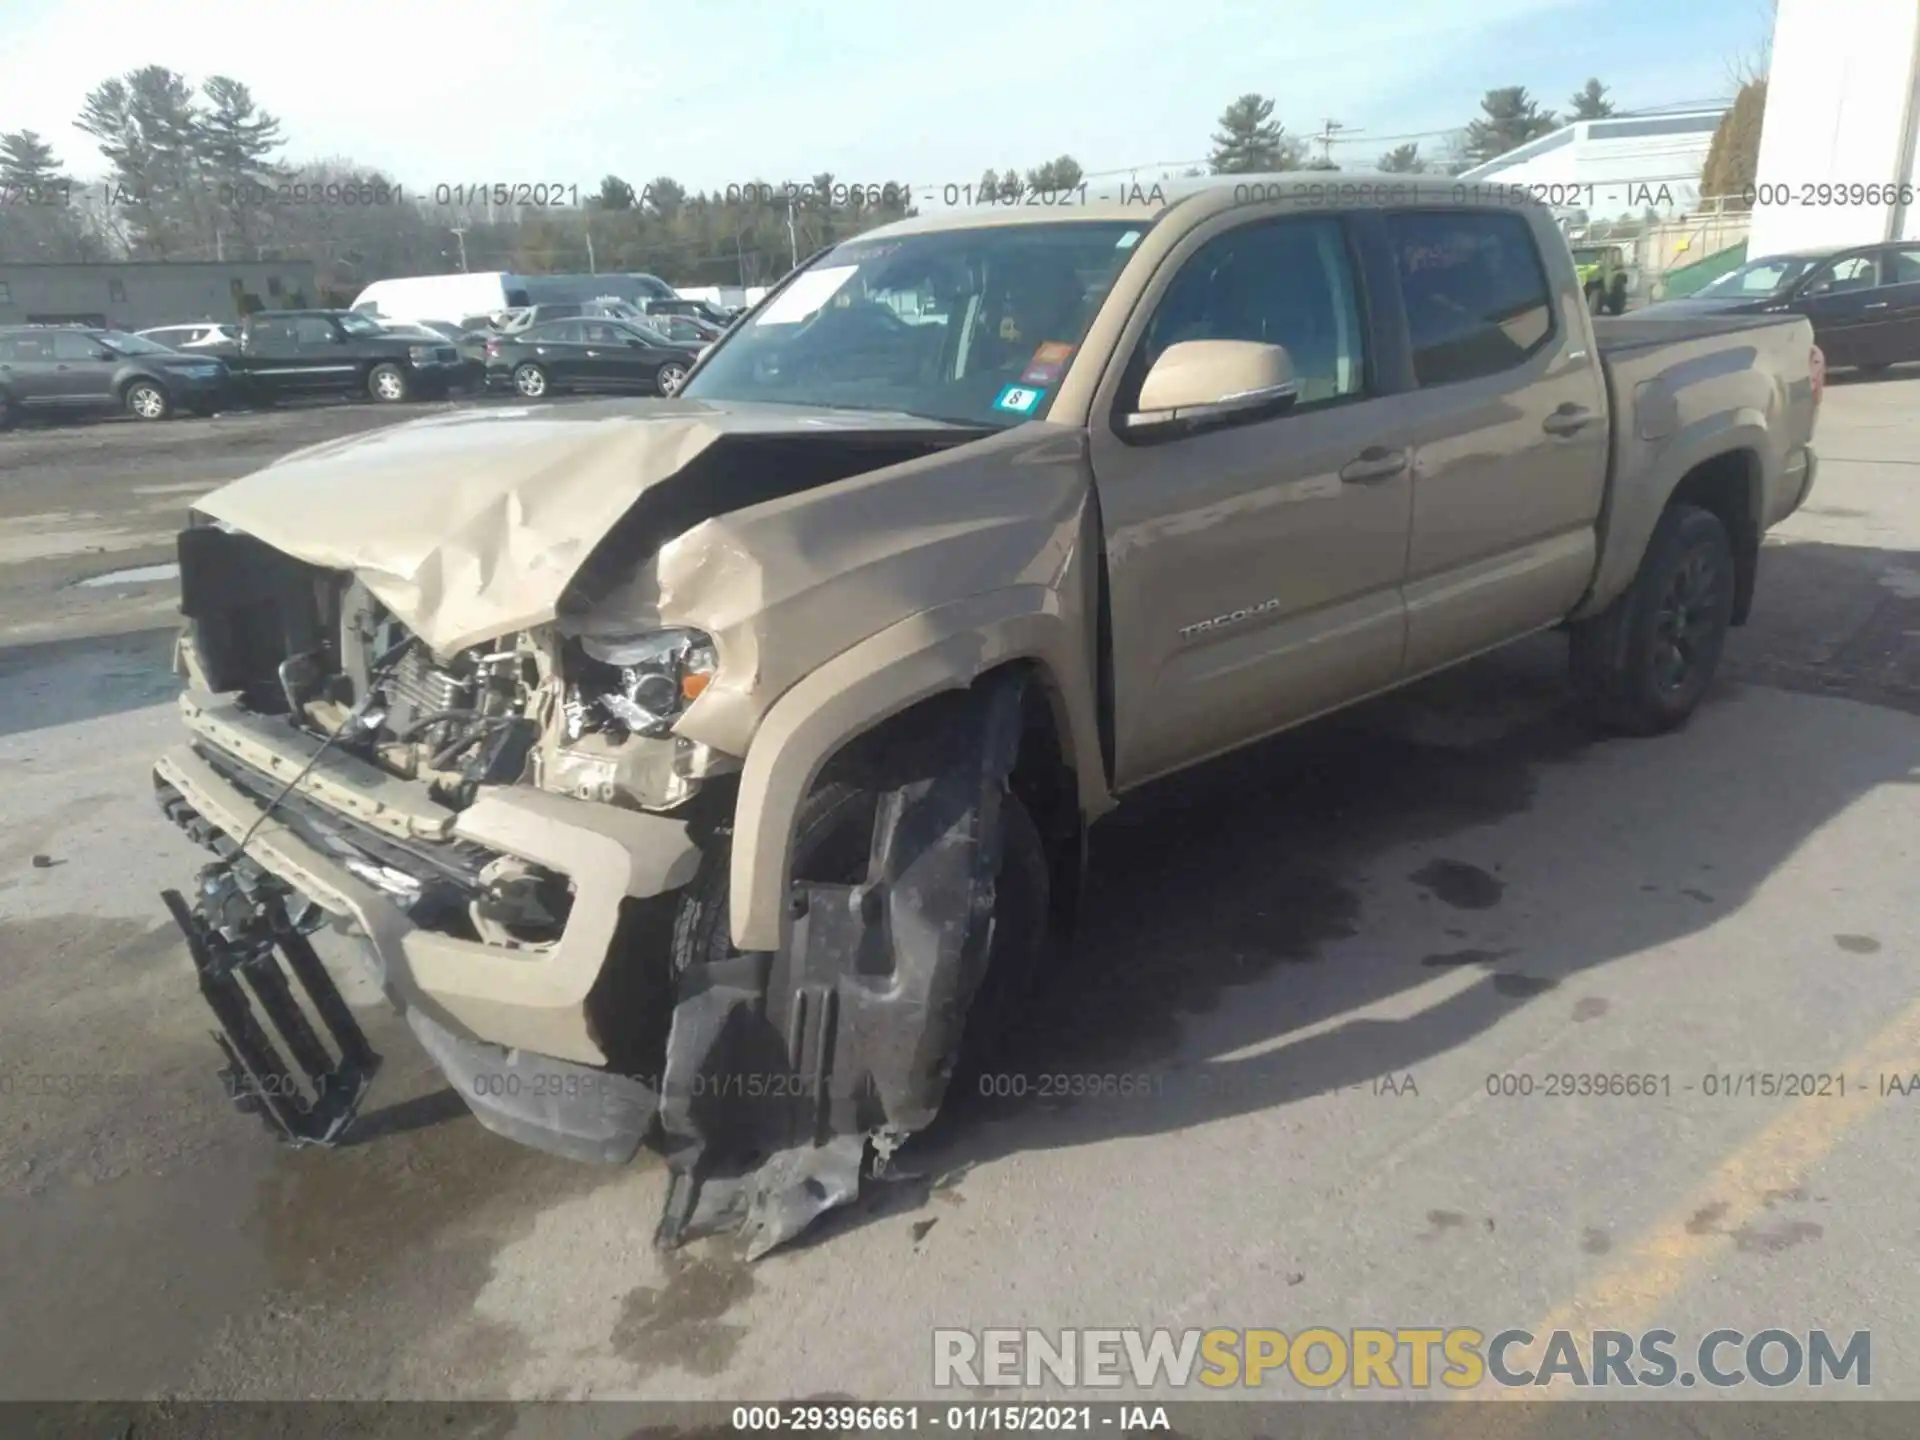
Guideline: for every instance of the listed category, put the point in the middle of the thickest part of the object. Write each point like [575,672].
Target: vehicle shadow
[1218,905]
[57,682]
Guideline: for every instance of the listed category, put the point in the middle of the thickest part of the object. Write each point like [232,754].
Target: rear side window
[1476,294]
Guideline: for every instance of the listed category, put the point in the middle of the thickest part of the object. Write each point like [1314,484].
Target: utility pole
[793,242]
[459,233]
[592,269]
[1328,129]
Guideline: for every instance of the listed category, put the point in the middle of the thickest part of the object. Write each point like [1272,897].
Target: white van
[442,297]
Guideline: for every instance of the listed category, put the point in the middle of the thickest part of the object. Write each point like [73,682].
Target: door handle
[1376,462]
[1876,305]
[1569,419]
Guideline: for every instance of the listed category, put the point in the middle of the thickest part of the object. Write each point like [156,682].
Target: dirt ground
[1456,884]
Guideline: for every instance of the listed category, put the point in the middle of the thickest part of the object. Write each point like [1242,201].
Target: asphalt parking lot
[1325,956]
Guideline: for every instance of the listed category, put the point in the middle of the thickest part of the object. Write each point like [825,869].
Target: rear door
[1848,316]
[270,358]
[26,366]
[560,348]
[1254,569]
[1507,422]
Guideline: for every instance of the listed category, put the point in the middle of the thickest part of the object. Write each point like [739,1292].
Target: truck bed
[1672,385]
[1621,334]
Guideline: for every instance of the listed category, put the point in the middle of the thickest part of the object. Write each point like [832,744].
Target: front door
[1508,418]
[613,358]
[1896,301]
[82,371]
[1849,315]
[1254,571]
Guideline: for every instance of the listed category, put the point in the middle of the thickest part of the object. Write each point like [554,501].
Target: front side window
[974,325]
[1855,272]
[354,325]
[1281,282]
[72,345]
[312,330]
[1476,294]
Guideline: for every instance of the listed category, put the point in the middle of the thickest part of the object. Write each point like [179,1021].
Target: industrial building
[131,295]
[1622,166]
[1838,146]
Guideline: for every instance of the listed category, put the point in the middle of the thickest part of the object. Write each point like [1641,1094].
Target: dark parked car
[472,370]
[1863,300]
[687,329]
[589,355]
[699,309]
[73,371]
[284,353]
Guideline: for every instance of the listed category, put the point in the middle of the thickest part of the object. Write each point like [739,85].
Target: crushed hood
[470,525]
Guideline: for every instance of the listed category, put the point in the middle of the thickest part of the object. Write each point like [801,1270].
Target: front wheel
[147,401]
[671,377]
[530,380]
[388,384]
[1643,664]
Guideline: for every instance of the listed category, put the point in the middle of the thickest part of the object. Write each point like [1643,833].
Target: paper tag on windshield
[806,294]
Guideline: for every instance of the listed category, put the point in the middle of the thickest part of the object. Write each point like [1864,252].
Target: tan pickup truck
[694,769]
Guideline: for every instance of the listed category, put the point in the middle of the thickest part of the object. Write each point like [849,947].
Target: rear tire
[1642,665]
[146,400]
[388,384]
[530,382]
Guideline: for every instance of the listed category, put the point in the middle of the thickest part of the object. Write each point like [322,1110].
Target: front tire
[388,384]
[832,842]
[669,378]
[146,400]
[530,382]
[1643,664]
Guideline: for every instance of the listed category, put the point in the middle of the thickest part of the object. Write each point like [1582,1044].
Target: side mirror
[100,352]
[636,344]
[1205,384]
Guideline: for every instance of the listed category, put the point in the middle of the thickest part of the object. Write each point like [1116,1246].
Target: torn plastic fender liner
[781,1066]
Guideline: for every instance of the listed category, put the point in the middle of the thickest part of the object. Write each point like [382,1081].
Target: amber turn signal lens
[692,685]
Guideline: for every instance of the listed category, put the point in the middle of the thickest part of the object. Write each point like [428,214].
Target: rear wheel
[146,400]
[1644,663]
[530,380]
[387,383]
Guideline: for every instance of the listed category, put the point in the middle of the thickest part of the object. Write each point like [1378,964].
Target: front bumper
[526,999]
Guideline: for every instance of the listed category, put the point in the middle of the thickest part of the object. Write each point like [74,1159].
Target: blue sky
[923,91]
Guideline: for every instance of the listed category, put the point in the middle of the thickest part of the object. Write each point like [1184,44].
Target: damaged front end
[516,830]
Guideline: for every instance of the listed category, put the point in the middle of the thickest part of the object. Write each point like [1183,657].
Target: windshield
[362,325]
[131,344]
[1588,255]
[1761,277]
[971,325]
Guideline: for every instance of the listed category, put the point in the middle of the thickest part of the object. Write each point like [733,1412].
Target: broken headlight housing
[650,679]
